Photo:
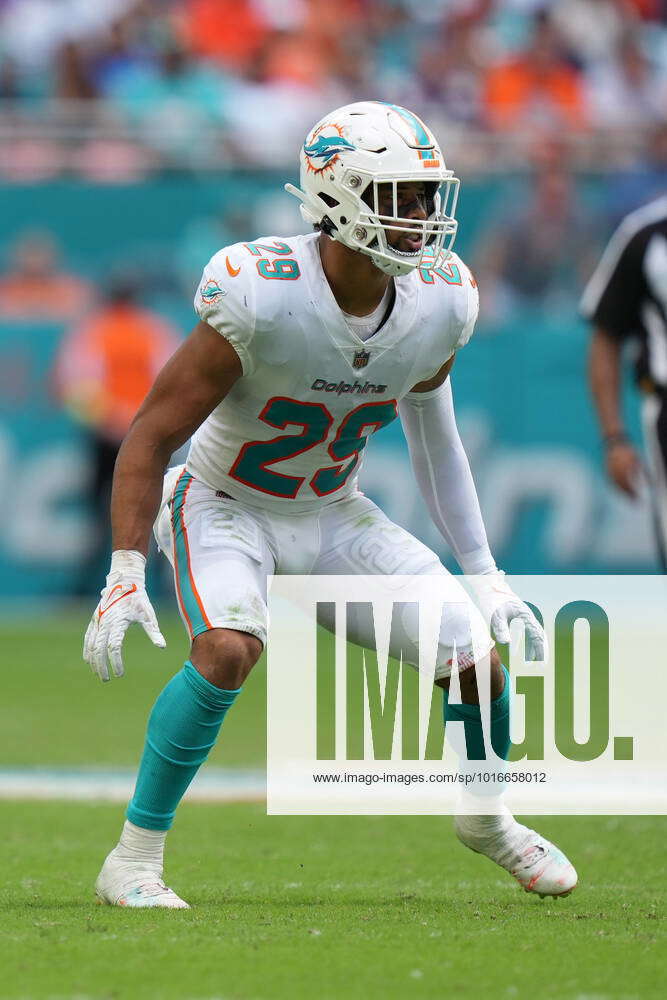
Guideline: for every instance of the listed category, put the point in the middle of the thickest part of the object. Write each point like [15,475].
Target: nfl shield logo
[360,359]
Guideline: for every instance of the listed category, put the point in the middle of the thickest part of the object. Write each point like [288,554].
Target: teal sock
[470,715]
[182,728]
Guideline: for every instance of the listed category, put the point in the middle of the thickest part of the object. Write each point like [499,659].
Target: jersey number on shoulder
[251,466]
[282,269]
[449,272]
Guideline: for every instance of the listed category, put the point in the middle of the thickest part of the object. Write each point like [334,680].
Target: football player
[306,346]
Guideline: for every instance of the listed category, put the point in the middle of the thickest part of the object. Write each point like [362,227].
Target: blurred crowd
[211,82]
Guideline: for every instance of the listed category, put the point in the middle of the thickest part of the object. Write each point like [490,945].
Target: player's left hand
[500,606]
[124,600]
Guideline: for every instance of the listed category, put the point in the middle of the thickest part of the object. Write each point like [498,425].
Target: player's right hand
[624,467]
[124,600]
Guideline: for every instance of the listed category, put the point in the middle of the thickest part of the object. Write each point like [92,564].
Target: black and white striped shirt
[627,294]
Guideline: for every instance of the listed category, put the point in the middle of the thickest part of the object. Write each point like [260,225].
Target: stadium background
[140,137]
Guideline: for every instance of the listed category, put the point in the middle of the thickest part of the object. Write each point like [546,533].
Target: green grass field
[288,907]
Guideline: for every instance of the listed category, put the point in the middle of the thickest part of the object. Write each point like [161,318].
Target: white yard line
[212,785]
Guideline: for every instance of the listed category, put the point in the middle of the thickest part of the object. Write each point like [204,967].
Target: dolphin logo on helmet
[326,143]
[327,146]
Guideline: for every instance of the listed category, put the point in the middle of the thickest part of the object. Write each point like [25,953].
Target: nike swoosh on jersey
[120,597]
[231,270]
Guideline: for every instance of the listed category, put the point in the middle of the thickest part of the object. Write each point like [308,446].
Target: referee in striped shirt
[626,301]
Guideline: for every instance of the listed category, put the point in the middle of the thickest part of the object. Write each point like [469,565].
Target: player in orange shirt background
[105,367]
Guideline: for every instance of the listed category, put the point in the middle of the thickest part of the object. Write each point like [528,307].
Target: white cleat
[533,861]
[131,883]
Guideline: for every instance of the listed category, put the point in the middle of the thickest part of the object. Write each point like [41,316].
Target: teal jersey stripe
[189,599]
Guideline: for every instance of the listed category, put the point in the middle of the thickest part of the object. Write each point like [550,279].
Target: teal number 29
[281,269]
[252,466]
[350,442]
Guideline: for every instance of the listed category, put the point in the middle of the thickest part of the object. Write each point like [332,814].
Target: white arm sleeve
[443,473]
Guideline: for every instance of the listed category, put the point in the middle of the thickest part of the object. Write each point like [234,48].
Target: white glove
[500,606]
[124,600]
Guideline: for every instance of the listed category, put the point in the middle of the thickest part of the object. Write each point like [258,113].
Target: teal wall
[519,387]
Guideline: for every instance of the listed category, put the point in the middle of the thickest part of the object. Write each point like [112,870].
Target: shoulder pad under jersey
[454,290]
[242,290]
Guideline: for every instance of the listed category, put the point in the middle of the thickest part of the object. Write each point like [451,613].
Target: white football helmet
[344,160]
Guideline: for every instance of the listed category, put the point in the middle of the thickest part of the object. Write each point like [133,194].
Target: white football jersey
[290,434]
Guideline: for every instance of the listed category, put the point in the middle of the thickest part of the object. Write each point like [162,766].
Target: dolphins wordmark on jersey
[291,432]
